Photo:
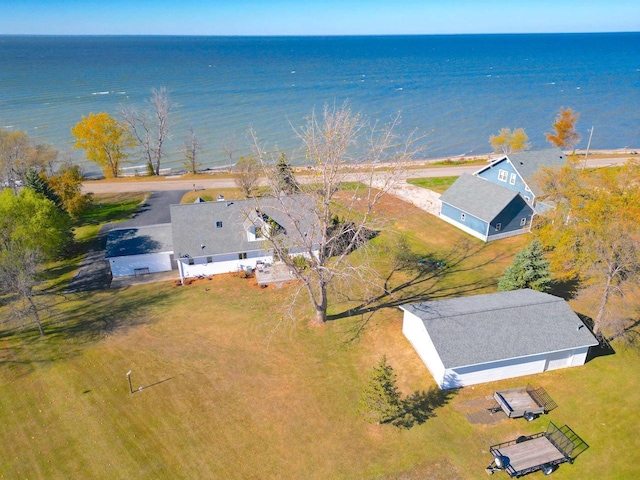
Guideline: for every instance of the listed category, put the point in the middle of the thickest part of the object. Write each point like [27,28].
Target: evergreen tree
[39,184]
[380,400]
[286,181]
[529,269]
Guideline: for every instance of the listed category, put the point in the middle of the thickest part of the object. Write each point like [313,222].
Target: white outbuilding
[140,250]
[484,338]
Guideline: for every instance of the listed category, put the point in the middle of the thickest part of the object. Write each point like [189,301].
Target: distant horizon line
[304,36]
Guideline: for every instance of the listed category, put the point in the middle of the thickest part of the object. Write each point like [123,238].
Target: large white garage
[140,250]
[484,338]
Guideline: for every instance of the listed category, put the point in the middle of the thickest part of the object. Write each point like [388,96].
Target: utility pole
[587,152]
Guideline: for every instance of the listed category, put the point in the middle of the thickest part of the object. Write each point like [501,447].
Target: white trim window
[502,175]
[463,216]
[523,221]
[498,227]
[512,179]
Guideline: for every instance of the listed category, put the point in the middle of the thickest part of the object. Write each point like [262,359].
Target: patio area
[277,273]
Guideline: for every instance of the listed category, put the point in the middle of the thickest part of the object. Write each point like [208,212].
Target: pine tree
[38,183]
[286,181]
[380,400]
[529,269]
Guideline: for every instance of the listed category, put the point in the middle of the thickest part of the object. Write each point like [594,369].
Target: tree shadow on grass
[76,321]
[603,348]
[420,406]
[417,277]
[567,289]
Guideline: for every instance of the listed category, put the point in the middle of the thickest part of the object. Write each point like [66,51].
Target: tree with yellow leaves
[593,234]
[565,135]
[508,142]
[105,141]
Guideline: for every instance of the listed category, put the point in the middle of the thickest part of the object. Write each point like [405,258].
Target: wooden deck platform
[534,452]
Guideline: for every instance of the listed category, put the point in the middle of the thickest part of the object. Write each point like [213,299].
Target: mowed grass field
[232,392]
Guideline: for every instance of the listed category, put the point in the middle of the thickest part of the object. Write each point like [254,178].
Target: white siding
[413,328]
[490,372]
[221,264]
[155,262]
[557,360]
[579,357]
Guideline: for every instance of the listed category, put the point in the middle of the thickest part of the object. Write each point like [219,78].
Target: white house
[484,338]
[139,250]
[226,236]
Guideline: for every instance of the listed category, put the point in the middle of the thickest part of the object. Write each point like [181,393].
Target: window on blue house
[218,224]
[512,179]
[498,227]
[463,217]
[523,221]
[502,175]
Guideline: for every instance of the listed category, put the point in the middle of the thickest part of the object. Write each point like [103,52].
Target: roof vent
[229,204]
[221,198]
[521,163]
[580,327]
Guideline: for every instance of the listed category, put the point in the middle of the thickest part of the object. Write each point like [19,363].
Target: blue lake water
[456,89]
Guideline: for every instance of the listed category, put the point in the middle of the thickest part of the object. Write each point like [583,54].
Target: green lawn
[233,393]
[437,184]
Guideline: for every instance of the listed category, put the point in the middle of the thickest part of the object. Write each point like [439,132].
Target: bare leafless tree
[192,148]
[19,154]
[341,147]
[19,269]
[229,147]
[150,128]
[248,172]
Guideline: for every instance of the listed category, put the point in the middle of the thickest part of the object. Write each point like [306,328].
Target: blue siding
[510,217]
[491,174]
[470,221]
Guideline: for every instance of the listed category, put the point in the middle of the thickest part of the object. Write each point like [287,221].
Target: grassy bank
[437,184]
[227,396]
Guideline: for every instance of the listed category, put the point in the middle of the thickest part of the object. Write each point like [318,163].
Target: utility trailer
[541,451]
[527,402]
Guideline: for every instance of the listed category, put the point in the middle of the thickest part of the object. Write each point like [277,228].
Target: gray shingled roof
[139,240]
[529,163]
[196,232]
[499,326]
[478,197]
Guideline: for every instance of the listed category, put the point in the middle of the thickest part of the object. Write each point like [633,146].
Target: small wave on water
[100,93]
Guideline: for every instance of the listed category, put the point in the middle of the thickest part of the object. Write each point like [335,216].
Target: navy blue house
[499,200]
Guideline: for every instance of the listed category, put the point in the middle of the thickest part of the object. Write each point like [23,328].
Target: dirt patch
[438,469]
[481,411]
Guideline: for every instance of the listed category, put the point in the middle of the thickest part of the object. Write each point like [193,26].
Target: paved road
[213,182]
